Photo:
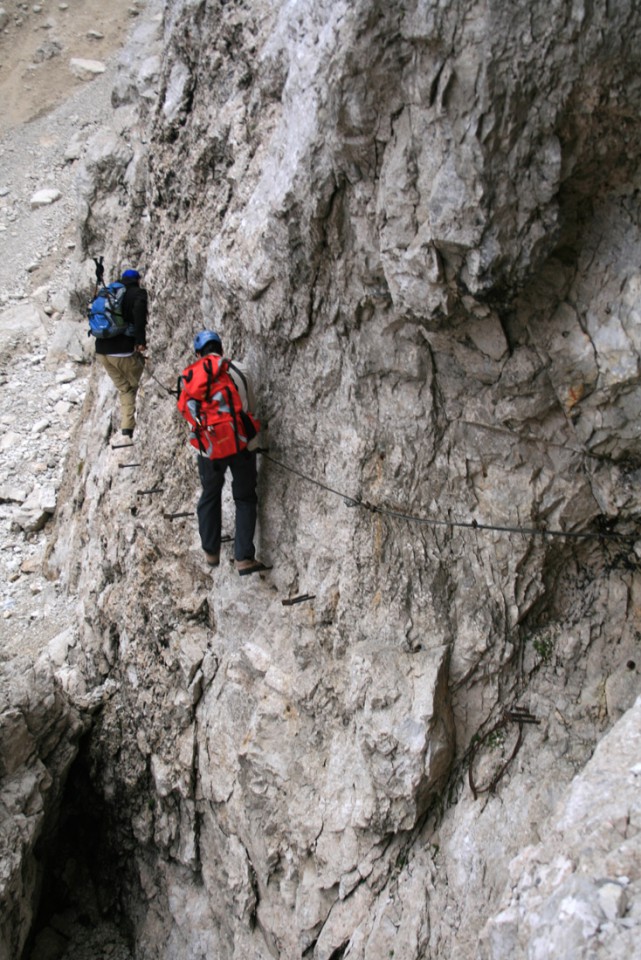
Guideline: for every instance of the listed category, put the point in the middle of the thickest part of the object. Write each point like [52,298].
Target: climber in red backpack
[216,400]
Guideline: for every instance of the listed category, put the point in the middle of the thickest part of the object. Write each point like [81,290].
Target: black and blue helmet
[205,336]
[130,275]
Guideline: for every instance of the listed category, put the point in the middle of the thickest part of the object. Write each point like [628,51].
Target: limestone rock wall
[581,882]
[419,225]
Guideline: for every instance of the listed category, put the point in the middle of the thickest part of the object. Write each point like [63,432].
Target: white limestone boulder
[86,69]
[21,325]
[45,197]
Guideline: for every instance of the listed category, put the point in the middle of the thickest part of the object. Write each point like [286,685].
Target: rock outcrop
[39,735]
[578,890]
[419,225]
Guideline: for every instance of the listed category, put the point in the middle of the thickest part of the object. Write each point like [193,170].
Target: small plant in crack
[496,739]
[544,646]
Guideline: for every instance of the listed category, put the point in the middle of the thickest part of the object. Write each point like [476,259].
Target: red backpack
[210,403]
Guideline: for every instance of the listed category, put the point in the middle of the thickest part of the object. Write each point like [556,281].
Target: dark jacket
[134,311]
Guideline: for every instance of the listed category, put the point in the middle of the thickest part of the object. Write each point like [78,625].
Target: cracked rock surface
[419,226]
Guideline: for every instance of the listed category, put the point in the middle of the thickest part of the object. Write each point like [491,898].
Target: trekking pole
[100,273]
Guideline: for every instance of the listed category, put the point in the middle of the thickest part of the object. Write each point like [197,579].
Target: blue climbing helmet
[205,336]
[130,275]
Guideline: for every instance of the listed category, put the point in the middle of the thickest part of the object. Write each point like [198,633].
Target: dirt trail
[38,42]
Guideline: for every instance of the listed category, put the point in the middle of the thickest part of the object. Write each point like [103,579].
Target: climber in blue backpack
[118,321]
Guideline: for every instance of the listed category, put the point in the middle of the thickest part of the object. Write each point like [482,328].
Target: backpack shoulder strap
[239,373]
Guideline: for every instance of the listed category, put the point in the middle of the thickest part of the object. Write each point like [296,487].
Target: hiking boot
[128,432]
[213,559]
[245,567]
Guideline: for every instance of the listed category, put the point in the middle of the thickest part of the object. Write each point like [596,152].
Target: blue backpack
[105,313]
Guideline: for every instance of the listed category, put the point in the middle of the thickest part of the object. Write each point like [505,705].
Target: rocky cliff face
[419,224]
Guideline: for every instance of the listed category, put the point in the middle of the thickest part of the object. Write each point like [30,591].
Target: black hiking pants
[243,488]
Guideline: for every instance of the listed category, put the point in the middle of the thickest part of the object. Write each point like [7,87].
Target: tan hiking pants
[125,372]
